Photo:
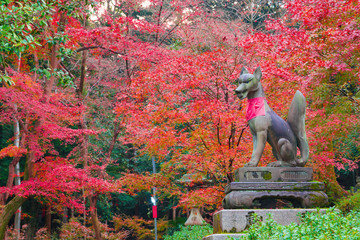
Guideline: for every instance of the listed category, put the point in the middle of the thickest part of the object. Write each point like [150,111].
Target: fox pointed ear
[244,71]
[258,73]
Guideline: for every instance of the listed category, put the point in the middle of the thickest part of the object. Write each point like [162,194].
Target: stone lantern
[192,182]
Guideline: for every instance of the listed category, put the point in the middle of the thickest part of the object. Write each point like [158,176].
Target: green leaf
[6,79]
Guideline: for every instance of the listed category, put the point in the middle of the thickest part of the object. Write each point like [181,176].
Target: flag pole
[154,201]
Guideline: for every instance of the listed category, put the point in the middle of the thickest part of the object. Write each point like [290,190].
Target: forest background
[92,91]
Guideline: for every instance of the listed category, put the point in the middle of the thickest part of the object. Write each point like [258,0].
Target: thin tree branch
[94,47]
[242,131]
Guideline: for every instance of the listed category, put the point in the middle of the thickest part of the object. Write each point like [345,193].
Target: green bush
[332,225]
[350,203]
[190,233]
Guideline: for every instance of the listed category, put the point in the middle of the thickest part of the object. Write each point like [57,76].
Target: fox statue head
[248,82]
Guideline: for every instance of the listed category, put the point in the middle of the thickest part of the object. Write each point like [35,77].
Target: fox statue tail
[296,120]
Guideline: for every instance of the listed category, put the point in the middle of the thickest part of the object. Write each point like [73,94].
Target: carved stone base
[274,186]
[274,199]
[270,187]
[273,174]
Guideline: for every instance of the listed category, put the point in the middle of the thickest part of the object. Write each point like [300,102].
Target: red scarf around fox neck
[255,107]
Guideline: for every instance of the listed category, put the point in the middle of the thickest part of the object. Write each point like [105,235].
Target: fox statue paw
[280,164]
[250,164]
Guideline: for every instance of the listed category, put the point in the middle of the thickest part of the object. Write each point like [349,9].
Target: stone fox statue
[265,125]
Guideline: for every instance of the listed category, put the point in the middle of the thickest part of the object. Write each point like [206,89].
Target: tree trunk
[94,217]
[54,63]
[48,219]
[17,221]
[8,212]
[33,223]
[80,90]
[54,60]
[12,206]
[117,129]
[65,216]
[85,141]
[174,214]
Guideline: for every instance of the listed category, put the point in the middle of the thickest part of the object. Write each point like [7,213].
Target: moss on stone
[267,175]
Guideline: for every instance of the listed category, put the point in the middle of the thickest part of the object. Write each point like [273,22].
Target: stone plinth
[223,236]
[284,192]
[237,220]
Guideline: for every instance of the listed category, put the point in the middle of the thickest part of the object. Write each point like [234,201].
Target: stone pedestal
[274,187]
[284,192]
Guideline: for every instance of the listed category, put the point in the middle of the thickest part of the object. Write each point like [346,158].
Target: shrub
[12,234]
[190,233]
[350,203]
[139,228]
[42,234]
[332,225]
[74,230]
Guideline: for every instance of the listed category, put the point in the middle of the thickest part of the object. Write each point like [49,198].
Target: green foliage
[22,28]
[19,24]
[349,145]
[64,80]
[5,79]
[314,225]
[349,204]
[6,132]
[334,191]
[175,226]
[118,204]
[190,233]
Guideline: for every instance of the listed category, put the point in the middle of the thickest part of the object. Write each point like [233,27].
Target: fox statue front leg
[258,128]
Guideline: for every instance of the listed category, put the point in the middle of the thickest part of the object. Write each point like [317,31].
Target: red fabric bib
[255,107]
